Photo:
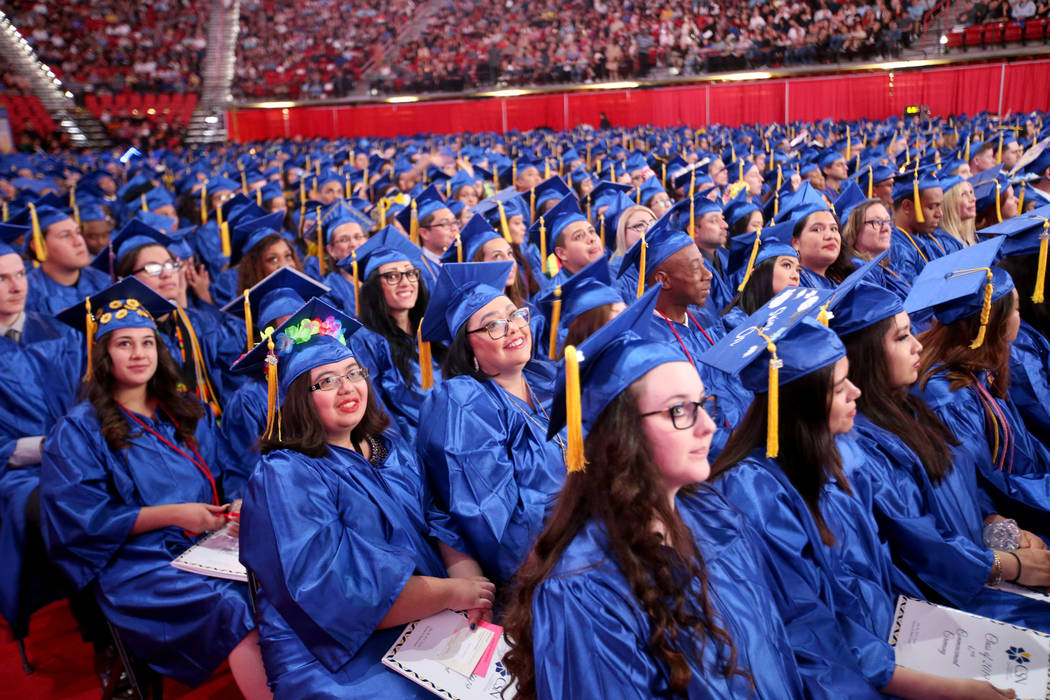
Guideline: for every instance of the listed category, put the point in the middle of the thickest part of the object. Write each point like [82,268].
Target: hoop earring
[477,367]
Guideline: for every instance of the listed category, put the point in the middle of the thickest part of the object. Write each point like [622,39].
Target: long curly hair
[620,490]
[250,269]
[164,387]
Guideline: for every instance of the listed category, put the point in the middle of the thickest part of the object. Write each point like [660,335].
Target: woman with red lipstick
[130,476]
[484,440]
[339,526]
[816,239]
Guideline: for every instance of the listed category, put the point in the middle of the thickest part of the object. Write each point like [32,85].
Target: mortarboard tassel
[916,199]
[638,195]
[1040,275]
[692,216]
[244,178]
[76,215]
[574,460]
[383,206]
[357,283]
[38,236]
[258,197]
[73,195]
[532,204]
[750,261]
[663,172]
[601,231]
[986,310]
[145,207]
[546,169]
[204,203]
[641,268]
[273,418]
[823,316]
[998,206]
[871,181]
[503,225]
[552,351]
[248,326]
[553,265]
[1020,200]
[426,366]
[224,232]
[966,154]
[459,249]
[4,212]
[205,391]
[543,241]
[413,226]
[320,244]
[349,187]
[999,152]
[692,183]
[89,329]
[848,144]
[773,402]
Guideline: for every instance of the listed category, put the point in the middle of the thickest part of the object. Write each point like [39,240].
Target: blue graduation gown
[207,242]
[831,602]
[1020,491]
[627,285]
[224,286]
[693,341]
[532,256]
[487,456]
[243,421]
[1030,380]
[42,373]
[333,541]
[808,278]
[49,297]
[585,612]
[342,295]
[935,531]
[312,268]
[430,271]
[401,400]
[886,277]
[722,289]
[907,253]
[184,625]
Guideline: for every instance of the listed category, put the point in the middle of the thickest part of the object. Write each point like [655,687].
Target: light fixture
[504,93]
[402,99]
[751,75]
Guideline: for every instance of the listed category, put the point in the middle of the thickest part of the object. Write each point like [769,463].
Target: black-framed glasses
[683,414]
[394,278]
[357,374]
[155,269]
[451,223]
[499,327]
[878,223]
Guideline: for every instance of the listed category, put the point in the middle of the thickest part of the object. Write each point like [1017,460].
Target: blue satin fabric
[733,398]
[487,456]
[333,542]
[1030,380]
[243,421]
[312,268]
[1022,493]
[887,277]
[532,256]
[833,603]
[401,400]
[222,341]
[591,633]
[224,285]
[342,294]
[907,260]
[207,242]
[184,625]
[42,373]
[935,531]
[49,297]
[808,278]
[722,289]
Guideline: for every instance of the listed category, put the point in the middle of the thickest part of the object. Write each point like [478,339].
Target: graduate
[784,470]
[339,526]
[705,223]
[633,591]
[770,265]
[343,229]
[823,260]
[130,477]
[564,231]
[575,310]
[508,214]
[867,231]
[484,443]
[432,226]
[964,377]
[917,210]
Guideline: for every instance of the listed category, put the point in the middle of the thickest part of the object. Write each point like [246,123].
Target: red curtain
[1024,86]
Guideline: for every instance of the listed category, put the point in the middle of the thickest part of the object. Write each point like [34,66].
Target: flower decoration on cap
[306,330]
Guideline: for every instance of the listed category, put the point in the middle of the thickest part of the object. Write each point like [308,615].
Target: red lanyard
[199,462]
[684,348]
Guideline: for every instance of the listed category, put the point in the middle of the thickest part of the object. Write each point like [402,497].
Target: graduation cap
[339,213]
[1035,160]
[426,203]
[9,233]
[849,310]
[93,210]
[601,196]
[281,293]
[776,345]
[800,203]
[551,189]
[249,233]
[648,190]
[987,188]
[476,233]
[909,184]
[849,198]
[747,250]
[656,245]
[547,227]
[157,221]
[38,216]
[134,234]
[961,284]
[588,289]
[1025,234]
[460,291]
[739,207]
[601,368]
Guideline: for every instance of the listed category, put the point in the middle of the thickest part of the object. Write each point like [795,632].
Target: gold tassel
[413,226]
[224,237]
[495,180]
[998,206]
[248,321]
[848,143]
[601,233]
[145,207]
[503,225]
[272,416]
[258,197]
[999,153]
[348,187]
[751,261]
[692,183]
[205,391]
[638,196]
[89,329]
[38,236]
[773,403]
[641,267]
[5,211]
[244,178]
[1020,200]
[76,215]
[871,182]
[918,202]
[823,317]
[383,206]
[574,460]
[986,310]
[532,204]
[1040,275]
[320,244]
[204,203]
[552,351]
[692,216]
[459,249]
[426,367]
[543,242]
[966,155]
[552,265]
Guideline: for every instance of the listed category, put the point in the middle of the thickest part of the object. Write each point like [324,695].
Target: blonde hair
[621,227]
[962,230]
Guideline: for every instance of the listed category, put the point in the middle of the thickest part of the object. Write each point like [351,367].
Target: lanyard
[914,245]
[994,418]
[679,338]
[198,462]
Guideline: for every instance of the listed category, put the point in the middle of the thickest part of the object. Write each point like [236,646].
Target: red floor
[63,665]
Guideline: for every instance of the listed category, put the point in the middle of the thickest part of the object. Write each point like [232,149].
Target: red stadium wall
[996,87]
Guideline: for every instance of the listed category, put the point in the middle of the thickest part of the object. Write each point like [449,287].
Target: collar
[19,324]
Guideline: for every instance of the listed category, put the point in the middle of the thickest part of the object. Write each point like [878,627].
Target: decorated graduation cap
[134,234]
[315,335]
[461,290]
[127,304]
[779,343]
[748,250]
[471,237]
[607,363]
[426,203]
[962,284]
[1036,159]
[1026,234]
[249,233]
[281,293]
[588,289]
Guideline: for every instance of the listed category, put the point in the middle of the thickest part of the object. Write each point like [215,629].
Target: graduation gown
[243,421]
[934,531]
[832,603]
[47,296]
[182,624]
[585,612]
[207,242]
[333,541]
[1030,380]
[490,464]
[220,347]
[342,295]
[722,289]
[808,278]
[1021,488]
[907,253]
[42,373]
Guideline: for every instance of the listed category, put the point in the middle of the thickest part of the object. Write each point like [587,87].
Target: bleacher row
[989,34]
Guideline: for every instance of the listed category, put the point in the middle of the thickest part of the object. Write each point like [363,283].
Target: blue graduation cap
[649,189]
[157,221]
[158,197]
[872,173]
[658,243]
[469,240]
[848,200]
[747,250]
[339,213]
[38,216]
[961,284]
[460,291]
[910,184]
[426,203]
[387,246]
[134,234]
[601,196]
[588,289]
[685,213]
[1036,159]
[281,293]
[802,202]
[93,210]
[249,233]
[776,345]
[9,233]
[269,191]
[546,229]
[551,189]
[988,187]
[849,310]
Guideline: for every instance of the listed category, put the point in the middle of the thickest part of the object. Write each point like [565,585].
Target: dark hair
[525,270]
[620,490]
[301,428]
[895,409]
[515,291]
[759,288]
[376,315]
[163,387]
[740,225]
[250,269]
[946,348]
[808,454]
[125,266]
[460,360]
[586,324]
[842,267]
[1024,270]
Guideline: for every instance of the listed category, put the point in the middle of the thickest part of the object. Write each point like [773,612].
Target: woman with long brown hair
[632,589]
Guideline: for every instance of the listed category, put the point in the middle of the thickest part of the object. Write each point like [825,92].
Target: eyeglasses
[451,223]
[158,269]
[878,223]
[683,415]
[394,278]
[498,328]
[357,374]
[641,226]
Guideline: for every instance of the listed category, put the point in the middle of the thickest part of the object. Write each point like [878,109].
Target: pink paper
[486,659]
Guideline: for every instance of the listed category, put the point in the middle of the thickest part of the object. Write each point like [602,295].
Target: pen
[230,516]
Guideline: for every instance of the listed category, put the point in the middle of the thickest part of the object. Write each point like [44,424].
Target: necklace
[538,404]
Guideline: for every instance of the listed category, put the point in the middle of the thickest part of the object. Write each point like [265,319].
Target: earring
[477,367]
